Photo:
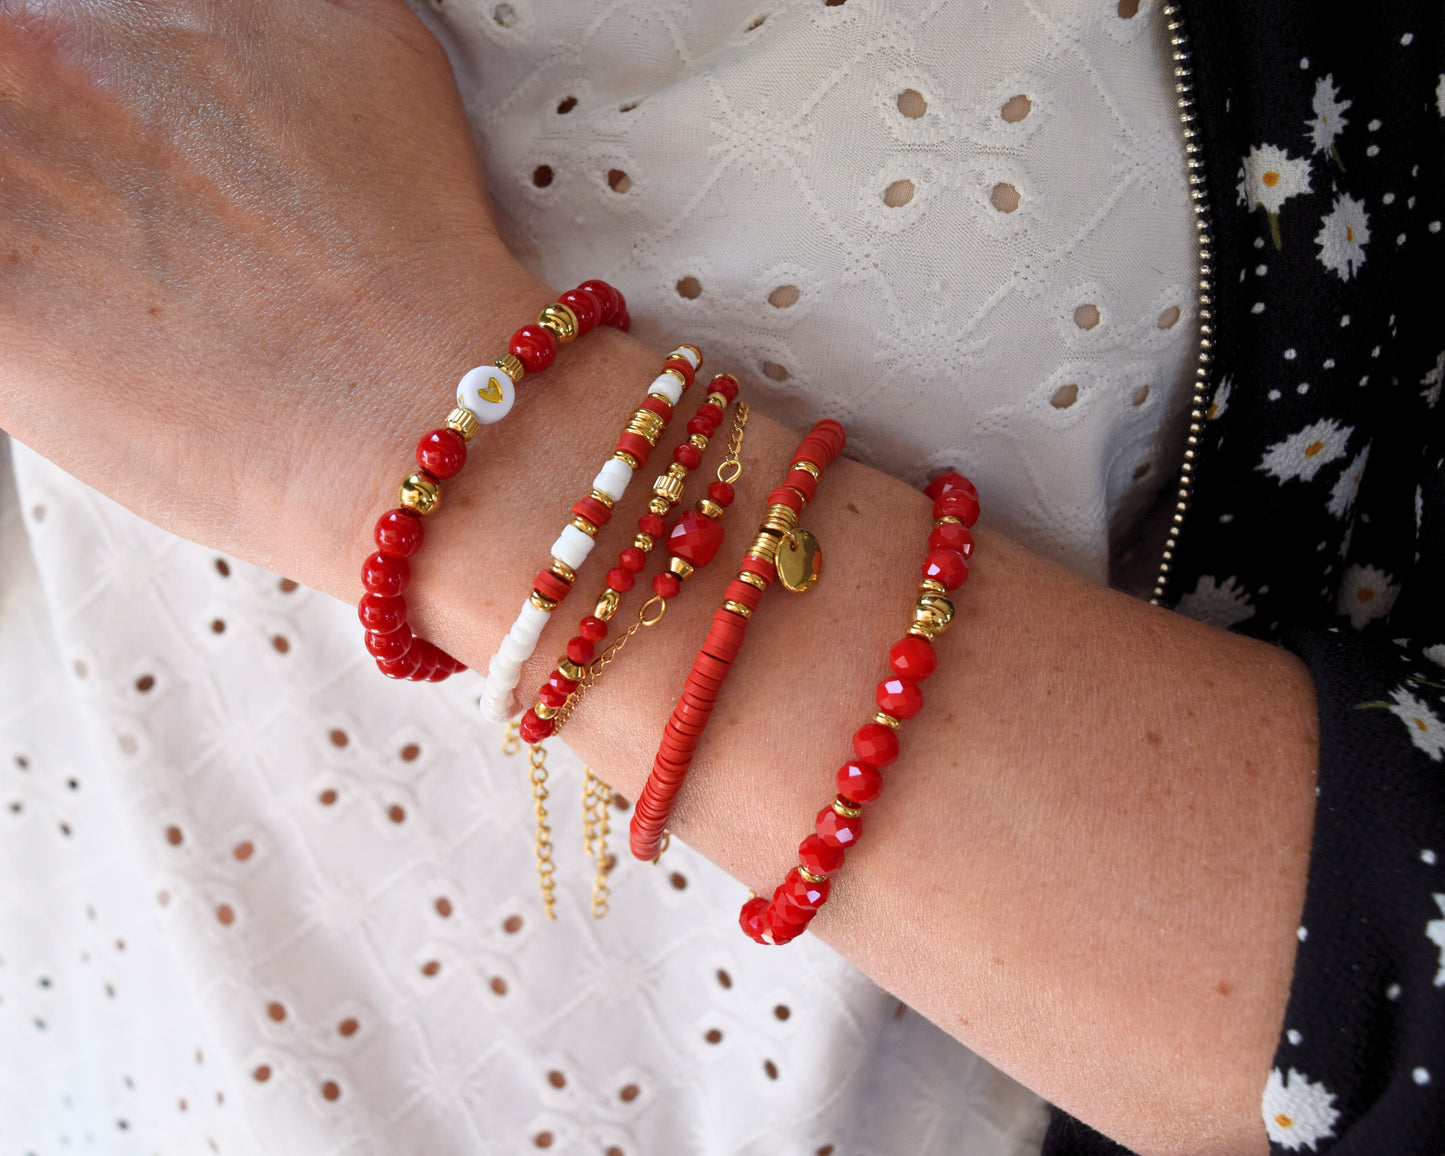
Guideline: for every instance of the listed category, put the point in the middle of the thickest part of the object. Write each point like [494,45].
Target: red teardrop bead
[695,538]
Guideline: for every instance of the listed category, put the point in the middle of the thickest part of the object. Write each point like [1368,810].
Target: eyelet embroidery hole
[331,1090]
[911,103]
[328,797]
[618,181]
[542,1139]
[174,836]
[1004,197]
[1064,396]
[724,978]
[771,369]
[505,15]
[145,682]
[755,23]
[243,850]
[1086,316]
[784,297]
[1141,395]
[782,1011]
[1141,471]
[338,737]
[1169,317]
[1016,108]
[443,907]
[280,643]
[771,1069]
[410,752]
[898,194]
[431,968]
[223,568]
[276,1010]
[261,1073]
[1128,9]
[566,105]
[556,1079]
[512,924]
[690,288]
[713,1036]
[629,1093]
[542,176]
[678,881]
[347,1027]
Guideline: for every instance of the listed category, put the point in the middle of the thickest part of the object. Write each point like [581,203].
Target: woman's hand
[231,236]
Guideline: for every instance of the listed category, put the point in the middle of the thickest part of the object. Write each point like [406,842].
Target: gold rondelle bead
[420,493]
[708,508]
[718,400]
[809,876]
[545,711]
[644,542]
[658,506]
[887,720]
[677,373]
[581,523]
[604,497]
[563,571]
[950,519]
[807,468]
[847,807]
[560,320]
[918,630]
[932,586]
[755,580]
[680,566]
[607,606]
[541,601]
[569,669]
[738,608]
[511,365]
[626,459]
[463,422]
[699,440]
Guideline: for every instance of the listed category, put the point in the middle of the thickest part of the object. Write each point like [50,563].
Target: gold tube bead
[658,506]
[626,459]
[680,566]
[644,542]
[604,497]
[677,470]
[420,493]
[847,807]
[561,321]
[809,876]
[887,720]
[581,523]
[563,571]
[807,468]
[668,487]
[545,711]
[541,601]
[950,519]
[463,422]
[708,508]
[932,586]
[699,440]
[738,608]
[607,606]
[754,580]
[511,365]
[569,669]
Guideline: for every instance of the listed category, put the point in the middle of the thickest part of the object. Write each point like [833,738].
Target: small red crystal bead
[819,857]
[398,533]
[725,384]
[951,536]
[579,650]
[957,503]
[534,728]
[790,913]
[699,425]
[585,307]
[781,927]
[552,696]
[382,615]
[912,657]
[620,580]
[652,525]
[632,559]
[389,646]
[721,493]
[946,566]
[535,347]
[899,697]
[666,584]
[687,455]
[949,480]
[837,830]
[804,894]
[753,918]
[875,743]
[384,575]
[561,681]
[695,538]
[441,453]
[860,782]
[592,628]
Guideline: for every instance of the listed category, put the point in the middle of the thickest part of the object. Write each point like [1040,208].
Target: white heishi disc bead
[488,392]
[494,711]
[612,479]
[687,355]
[500,669]
[533,618]
[668,386]
[527,632]
[515,649]
[572,547]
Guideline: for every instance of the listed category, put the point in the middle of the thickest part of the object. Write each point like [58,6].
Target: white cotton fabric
[229,850]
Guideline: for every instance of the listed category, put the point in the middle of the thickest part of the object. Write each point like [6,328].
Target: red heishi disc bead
[652,525]
[752,918]
[700,425]
[875,743]
[666,584]
[579,650]
[535,728]
[632,559]
[804,894]
[783,496]
[912,657]
[585,307]
[682,365]
[803,482]
[382,615]
[636,445]
[725,384]
[687,455]
[561,682]
[658,406]
[593,510]
[385,576]
[607,297]
[441,453]
[859,782]
[958,503]
[818,857]
[837,830]
[397,667]
[552,696]
[951,536]
[949,480]
[899,697]
[623,321]
[721,493]
[619,579]
[389,646]
[398,533]
[535,347]
[946,566]
[592,628]
[549,585]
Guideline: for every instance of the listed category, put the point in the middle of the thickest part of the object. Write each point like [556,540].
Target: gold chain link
[512,740]
[537,756]
[596,805]
[730,469]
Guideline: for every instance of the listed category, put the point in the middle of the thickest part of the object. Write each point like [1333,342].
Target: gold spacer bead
[626,459]
[847,807]
[668,487]
[604,497]
[581,523]
[809,876]
[658,506]
[563,571]
[541,601]
[644,542]
[677,373]
[708,508]
[561,321]
[919,631]
[696,352]
[807,468]
[545,711]
[887,720]
[677,470]
[738,608]
[607,605]
[950,519]
[754,580]
[569,669]
[933,612]
[463,422]
[699,440]
[932,586]
[511,365]
[718,399]
[420,493]
[680,566]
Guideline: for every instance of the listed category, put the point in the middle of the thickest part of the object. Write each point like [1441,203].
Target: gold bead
[626,459]
[644,542]
[561,321]
[677,373]
[668,487]
[807,468]
[809,876]
[545,711]
[569,669]
[708,508]
[718,399]
[607,606]
[581,523]
[563,571]
[847,807]
[658,506]
[933,612]
[699,440]
[511,365]
[950,519]
[677,470]
[463,422]
[696,352]
[738,608]
[541,601]
[420,493]
[680,566]
[757,581]
[887,720]
[605,498]
[932,586]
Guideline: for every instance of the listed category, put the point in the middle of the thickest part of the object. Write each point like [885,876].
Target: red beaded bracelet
[484,395]
[724,639]
[875,744]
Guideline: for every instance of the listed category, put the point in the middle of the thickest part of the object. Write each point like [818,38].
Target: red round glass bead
[441,453]
[875,743]
[946,566]
[818,857]
[721,493]
[652,525]
[428,658]
[753,918]
[585,307]
[801,893]
[391,645]
[912,657]
[398,533]
[632,559]
[957,503]
[666,584]
[382,615]
[687,455]
[534,728]
[592,628]
[608,297]
[951,536]
[384,575]
[899,697]
[623,321]
[579,650]
[860,782]
[837,830]
[398,667]
[535,347]
[620,580]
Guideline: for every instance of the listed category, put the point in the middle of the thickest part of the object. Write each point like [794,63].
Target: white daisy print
[1342,237]
[1223,604]
[1298,1112]
[1302,455]
[1268,178]
[1347,487]
[1329,119]
[1435,933]
[1432,380]
[1221,398]
[1366,594]
[1426,731]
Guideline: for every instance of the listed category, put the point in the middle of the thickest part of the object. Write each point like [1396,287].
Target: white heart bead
[488,392]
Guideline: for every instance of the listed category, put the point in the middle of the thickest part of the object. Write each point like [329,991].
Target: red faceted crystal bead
[837,830]
[534,728]
[912,657]
[899,697]
[946,566]
[560,681]
[552,696]
[782,928]
[652,525]
[391,645]
[721,493]
[949,480]
[620,580]
[818,857]
[700,425]
[695,538]
[382,615]
[687,455]
[860,782]
[725,384]
[802,893]
[666,584]
[607,297]
[957,503]
[441,453]
[875,744]
[579,650]
[535,347]
[398,533]
[753,918]
[951,536]
[632,559]
[384,575]
[592,628]
[585,307]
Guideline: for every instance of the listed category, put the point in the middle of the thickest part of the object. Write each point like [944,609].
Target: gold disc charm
[799,561]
